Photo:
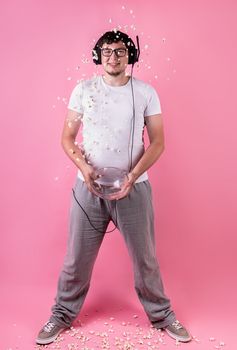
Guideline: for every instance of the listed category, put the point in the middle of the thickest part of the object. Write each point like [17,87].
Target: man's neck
[115,80]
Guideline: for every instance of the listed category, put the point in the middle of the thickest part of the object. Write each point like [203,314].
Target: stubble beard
[115,73]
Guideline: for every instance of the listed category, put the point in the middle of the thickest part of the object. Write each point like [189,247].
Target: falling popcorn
[177,343]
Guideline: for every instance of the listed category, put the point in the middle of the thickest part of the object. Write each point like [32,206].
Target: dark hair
[114,37]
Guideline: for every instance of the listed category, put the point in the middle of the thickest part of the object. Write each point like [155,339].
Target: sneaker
[49,333]
[178,332]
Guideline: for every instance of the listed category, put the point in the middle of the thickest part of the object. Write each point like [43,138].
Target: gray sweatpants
[134,217]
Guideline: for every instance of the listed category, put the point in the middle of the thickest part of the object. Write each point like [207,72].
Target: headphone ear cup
[132,56]
[135,56]
[96,55]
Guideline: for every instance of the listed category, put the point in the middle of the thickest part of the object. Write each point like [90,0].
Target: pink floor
[110,319]
[188,53]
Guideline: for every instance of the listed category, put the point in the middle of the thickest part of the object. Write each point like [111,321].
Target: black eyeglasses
[119,52]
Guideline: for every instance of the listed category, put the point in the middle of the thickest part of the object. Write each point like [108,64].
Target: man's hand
[89,175]
[126,187]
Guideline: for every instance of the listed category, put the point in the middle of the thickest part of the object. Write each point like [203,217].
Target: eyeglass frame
[114,50]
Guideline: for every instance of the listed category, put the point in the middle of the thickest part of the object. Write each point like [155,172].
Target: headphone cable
[74,195]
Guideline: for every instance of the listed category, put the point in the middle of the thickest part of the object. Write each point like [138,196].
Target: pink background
[189,55]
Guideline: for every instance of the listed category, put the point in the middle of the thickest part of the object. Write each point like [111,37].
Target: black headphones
[115,36]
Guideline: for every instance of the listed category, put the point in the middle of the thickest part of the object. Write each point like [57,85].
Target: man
[114,108]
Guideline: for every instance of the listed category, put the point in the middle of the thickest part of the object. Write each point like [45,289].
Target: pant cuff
[164,323]
[59,323]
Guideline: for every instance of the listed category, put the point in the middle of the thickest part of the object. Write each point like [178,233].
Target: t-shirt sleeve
[153,103]
[75,100]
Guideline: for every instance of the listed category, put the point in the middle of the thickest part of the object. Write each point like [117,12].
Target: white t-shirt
[108,121]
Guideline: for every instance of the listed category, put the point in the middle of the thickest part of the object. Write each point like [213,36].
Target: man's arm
[70,130]
[154,125]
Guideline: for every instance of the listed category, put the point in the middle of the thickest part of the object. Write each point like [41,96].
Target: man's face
[114,65]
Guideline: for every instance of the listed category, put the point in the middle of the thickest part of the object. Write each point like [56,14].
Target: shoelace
[177,324]
[49,326]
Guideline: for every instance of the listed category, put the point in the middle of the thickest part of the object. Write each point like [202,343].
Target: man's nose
[114,56]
